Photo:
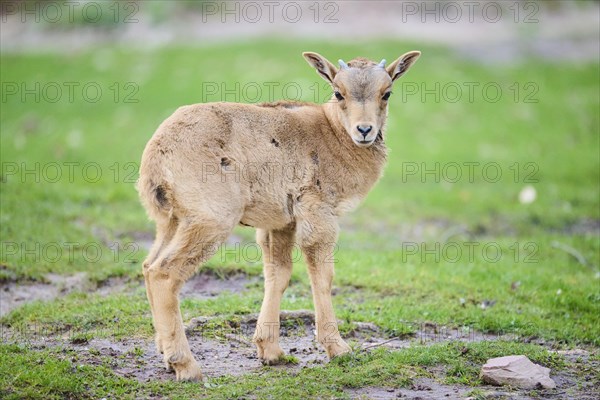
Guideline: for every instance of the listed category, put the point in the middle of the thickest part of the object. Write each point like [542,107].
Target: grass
[492,249]
[56,373]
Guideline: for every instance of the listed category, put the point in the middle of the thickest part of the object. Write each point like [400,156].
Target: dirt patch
[421,388]
[584,226]
[219,353]
[222,353]
[428,334]
[577,381]
[580,380]
[223,346]
[431,389]
[139,359]
[207,284]
[116,285]
[297,338]
[204,285]
[13,295]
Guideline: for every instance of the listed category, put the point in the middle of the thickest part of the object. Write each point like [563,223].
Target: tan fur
[288,169]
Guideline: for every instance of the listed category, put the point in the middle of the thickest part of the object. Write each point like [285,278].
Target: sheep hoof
[189,372]
[338,348]
[272,356]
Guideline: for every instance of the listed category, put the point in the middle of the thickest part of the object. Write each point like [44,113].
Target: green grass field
[441,234]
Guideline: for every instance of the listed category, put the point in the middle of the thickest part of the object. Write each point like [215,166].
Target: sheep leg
[318,242]
[276,249]
[165,230]
[192,244]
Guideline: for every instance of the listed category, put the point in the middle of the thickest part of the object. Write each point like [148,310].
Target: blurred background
[487,31]
[493,137]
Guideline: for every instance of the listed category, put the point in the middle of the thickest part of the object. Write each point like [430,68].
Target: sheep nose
[364,129]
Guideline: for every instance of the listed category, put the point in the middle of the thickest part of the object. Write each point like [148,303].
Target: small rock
[487,304]
[527,195]
[196,323]
[366,326]
[517,371]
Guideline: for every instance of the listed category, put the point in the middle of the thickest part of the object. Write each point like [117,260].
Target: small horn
[343,65]
[382,63]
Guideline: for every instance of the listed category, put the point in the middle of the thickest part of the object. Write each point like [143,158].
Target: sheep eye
[339,96]
[386,96]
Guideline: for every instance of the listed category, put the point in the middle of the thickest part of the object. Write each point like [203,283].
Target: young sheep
[288,169]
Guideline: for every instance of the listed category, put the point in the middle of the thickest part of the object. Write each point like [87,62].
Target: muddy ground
[229,353]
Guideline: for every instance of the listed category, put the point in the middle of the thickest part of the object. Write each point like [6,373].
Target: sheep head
[361,90]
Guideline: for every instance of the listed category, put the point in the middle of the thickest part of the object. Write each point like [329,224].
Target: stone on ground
[516,371]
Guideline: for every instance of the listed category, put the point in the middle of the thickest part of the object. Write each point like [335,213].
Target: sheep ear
[326,69]
[402,64]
